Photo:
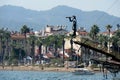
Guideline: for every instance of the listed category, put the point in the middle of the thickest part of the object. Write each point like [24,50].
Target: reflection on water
[36,75]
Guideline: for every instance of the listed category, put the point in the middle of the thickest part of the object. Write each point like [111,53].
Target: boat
[83,71]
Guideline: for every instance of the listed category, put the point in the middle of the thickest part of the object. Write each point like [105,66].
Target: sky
[110,6]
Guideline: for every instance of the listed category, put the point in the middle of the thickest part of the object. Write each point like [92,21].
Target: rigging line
[99,18]
[112,4]
[116,6]
[118,12]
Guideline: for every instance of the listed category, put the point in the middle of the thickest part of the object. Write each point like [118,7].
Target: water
[37,75]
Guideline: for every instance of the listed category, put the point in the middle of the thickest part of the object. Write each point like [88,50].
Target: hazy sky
[110,6]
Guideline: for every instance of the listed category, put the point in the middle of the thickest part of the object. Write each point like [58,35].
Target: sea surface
[38,75]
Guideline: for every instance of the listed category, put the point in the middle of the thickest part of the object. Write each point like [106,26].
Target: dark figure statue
[73,19]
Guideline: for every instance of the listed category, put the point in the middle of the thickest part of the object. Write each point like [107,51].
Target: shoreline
[36,68]
[40,68]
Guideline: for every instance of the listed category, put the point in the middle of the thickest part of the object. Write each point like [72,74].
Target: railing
[98,46]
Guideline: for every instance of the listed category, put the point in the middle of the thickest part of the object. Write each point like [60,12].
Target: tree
[4,38]
[117,33]
[116,39]
[103,40]
[94,31]
[1,44]
[31,41]
[39,44]
[109,30]
[7,36]
[25,30]
[93,34]
[14,56]
[118,26]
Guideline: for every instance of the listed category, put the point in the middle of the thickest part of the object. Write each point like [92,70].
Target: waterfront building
[55,30]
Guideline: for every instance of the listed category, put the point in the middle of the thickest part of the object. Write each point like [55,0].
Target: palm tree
[109,30]
[14,56]
[94,31]
[102,39]
[48,41]
[39,44]
[31,41]
[24,31]
[118,26]
[4,37]
[1,44]
[114,41]
[93,34]
[117,33]
[7,40]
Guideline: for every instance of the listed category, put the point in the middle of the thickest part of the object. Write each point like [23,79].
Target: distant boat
[83,71]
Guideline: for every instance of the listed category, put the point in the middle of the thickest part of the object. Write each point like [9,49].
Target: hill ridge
[14,17]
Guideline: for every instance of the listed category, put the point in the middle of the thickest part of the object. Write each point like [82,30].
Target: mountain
[14,17]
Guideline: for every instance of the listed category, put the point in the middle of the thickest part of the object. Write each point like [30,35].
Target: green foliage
[56,60]
[108,27]
[31,41]
[54,40]
[25,29]
[102,40]
[38,41]
[14,54]
[114,40]
[4,42]
[4,35]
[118,43]
[15,62]
[94,31]
[117,33]
[13,59]
[50,40]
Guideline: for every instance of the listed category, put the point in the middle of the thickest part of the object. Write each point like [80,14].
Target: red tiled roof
[17,36]
[82,33]
[112,32]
